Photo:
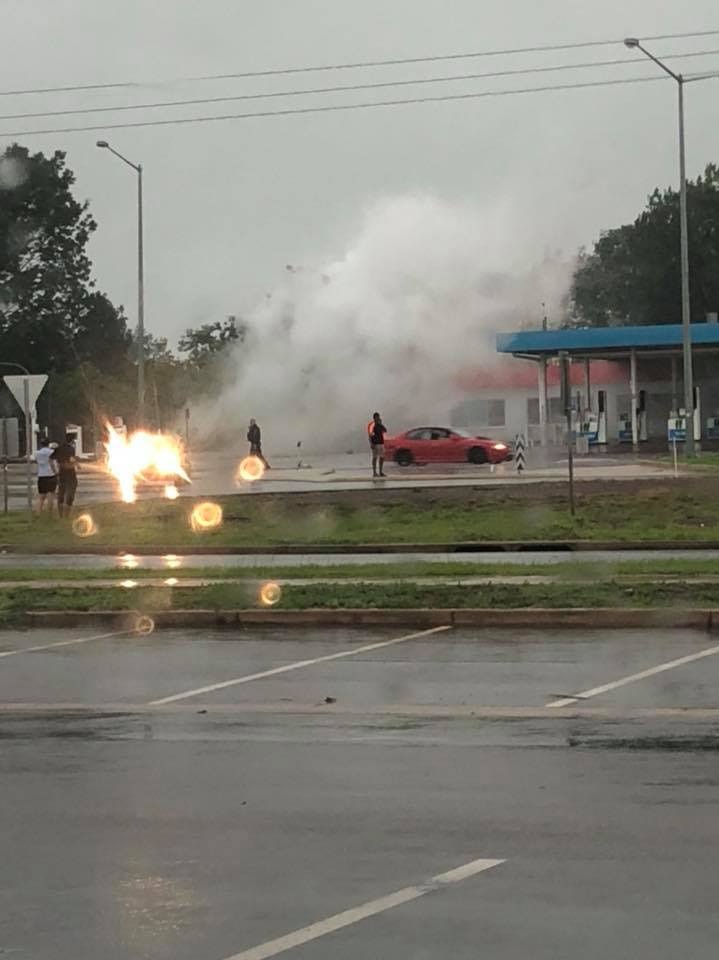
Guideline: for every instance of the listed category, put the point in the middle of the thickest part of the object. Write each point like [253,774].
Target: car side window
[419,435]
[440,434]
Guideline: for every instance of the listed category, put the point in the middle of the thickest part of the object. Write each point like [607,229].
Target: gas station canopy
[607,342]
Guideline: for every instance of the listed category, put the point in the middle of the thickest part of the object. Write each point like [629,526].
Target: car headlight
[499,446]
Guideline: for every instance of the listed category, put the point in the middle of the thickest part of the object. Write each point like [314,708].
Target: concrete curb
[598,618]
[339,549]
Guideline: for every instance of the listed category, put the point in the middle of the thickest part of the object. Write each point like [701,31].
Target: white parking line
[349,917]
[298,665]
[633,678]
[64,643]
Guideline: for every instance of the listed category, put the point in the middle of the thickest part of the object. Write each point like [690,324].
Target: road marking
[64,643]
[298,665]
[652,671]
[349,917]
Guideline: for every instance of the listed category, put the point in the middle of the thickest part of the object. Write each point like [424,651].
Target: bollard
[520,462]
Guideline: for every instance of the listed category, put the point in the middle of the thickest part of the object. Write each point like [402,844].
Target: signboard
[16,386]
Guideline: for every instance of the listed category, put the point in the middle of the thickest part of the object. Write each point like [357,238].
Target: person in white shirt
[46,475]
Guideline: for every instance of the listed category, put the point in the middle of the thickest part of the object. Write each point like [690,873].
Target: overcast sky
[229,204]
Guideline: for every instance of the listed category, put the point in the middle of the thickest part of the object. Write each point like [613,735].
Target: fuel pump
[713,428]
[677,426]
[625,421]
[624,428]
[678,420]
[597,421]
[75,431]
[594,423]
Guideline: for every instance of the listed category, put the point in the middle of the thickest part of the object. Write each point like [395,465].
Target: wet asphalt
[200,829]
[9,560]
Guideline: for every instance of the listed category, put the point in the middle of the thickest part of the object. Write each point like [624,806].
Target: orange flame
[130,459]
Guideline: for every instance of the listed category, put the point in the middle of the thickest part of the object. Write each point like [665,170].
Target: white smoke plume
[417,298]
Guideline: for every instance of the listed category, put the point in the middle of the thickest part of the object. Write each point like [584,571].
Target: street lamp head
[103,144]
[631,42]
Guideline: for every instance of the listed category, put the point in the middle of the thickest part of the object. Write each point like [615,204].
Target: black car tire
[404,458]
[477,455]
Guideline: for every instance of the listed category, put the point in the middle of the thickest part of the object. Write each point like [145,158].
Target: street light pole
[634,44]
[140,306]
[137,167]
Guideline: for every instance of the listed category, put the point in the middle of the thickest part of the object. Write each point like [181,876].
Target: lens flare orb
[84,526]
[129,584]
[171,582]
[270,594]
[144,625]
[172,561]
[250,470]
[206,516]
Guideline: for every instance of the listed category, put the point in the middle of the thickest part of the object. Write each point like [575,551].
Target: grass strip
[15,602]
[450,570]
[665,510]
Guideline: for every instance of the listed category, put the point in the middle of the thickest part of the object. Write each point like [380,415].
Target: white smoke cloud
[418,296]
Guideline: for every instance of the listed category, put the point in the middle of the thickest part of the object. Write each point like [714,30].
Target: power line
[332,108]
[345,88]
[361,64]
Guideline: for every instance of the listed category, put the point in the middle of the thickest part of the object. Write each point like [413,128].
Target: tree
[51,316]
[633,275]
[204,344]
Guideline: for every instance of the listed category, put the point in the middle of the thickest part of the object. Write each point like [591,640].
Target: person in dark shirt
[254,438]
[66,458]
[376,430]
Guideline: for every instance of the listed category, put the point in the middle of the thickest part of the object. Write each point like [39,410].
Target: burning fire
[142,455]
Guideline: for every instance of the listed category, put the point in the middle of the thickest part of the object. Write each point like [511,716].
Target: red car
[442,445]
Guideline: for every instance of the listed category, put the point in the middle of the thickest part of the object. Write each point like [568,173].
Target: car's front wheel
[477,455]
[404,458]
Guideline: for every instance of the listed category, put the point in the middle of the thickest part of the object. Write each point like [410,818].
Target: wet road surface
[291,776]
[172,561]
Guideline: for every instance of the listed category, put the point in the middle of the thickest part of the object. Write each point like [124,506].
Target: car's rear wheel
[477,455]
[404,458]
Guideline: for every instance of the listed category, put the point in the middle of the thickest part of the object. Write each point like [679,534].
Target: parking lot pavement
[354,667]
[214,826]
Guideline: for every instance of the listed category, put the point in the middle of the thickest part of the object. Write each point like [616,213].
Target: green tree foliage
[204,345]
[53,319]
[633,275]
[51,315]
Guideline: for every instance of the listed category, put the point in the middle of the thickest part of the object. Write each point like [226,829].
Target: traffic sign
[16,385]
[520,445]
